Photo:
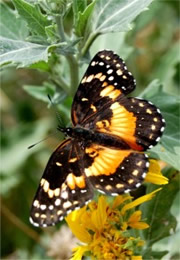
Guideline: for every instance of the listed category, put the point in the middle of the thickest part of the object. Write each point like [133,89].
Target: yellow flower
[154,174]
[105,228]
[134,221]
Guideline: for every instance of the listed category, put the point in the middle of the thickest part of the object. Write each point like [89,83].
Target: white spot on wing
[144,175]
[147,164]
[43,207]
[57,202]
[64,194]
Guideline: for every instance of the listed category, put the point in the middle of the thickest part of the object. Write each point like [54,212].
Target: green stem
[88,43]
[59,21]
[74,72]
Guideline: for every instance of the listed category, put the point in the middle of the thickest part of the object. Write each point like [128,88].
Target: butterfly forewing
[106,74]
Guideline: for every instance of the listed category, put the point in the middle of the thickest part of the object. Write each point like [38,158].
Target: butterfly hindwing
[106,78]
[63,187]
[113,171]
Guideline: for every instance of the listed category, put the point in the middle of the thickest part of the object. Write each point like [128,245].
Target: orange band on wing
[73,181]
[106,161]
[122,124]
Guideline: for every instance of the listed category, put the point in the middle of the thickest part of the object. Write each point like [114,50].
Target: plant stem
[74,72]
[88,43]
[73,64]
[59,21]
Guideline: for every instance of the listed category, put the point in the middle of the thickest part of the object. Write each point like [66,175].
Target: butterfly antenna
[57,113]
[54,133]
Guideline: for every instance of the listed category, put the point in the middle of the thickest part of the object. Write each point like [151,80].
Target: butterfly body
[86,137]
[104,149]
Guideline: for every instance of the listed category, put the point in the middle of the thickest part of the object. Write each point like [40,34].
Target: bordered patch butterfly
[104,148]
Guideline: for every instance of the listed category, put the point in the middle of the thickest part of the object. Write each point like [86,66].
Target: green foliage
[36,21]
[12,27]
[45,48]
[157,212]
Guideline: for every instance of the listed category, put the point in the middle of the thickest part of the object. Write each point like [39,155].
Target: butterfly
[104,148]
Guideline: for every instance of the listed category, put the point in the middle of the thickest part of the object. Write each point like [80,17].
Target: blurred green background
[150,50]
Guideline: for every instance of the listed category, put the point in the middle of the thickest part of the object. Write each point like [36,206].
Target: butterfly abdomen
[86,136]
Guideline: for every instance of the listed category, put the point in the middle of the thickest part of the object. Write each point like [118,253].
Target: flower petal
[119,200]
[139,225]
[154,174]
[99,215]
[79,252]
[136,257]
[139,201]
[156,178]
[74,222]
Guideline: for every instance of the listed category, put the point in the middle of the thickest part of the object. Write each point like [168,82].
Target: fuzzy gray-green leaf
[21,52]
[32,15]
[115,15]
[11,26]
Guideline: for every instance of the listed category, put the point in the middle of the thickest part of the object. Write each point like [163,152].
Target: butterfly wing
[114,171]
[61,187]
[105,70]
[100,104]
[137,122]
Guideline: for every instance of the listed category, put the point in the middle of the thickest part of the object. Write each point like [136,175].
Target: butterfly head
[67,131]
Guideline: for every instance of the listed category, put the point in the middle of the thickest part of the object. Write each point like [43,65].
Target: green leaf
[10,26]
[165,69]
[82,19]
[21,52]
[169,148]
[157,211]
[41,65]
[152,255]
[51,32]
[32,15]
[40,92]
[115,15]
[78,7]
[106,41]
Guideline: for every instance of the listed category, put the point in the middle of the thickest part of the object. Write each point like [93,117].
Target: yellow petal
[139,201]
[99,215]
[154,174]
[136,257]
[156,178]
[79,252]
[74,222]
[119,200]
[139,225]
[136,216]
